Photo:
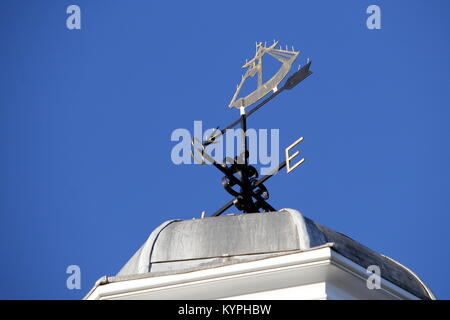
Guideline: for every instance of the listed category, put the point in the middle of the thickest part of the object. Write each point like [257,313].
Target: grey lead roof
[182,245]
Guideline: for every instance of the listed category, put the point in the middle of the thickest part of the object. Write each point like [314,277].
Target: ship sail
[286,57]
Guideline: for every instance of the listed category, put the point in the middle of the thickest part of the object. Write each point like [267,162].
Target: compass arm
[271,174]
[228,205]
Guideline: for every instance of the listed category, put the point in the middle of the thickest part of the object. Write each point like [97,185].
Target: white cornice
[318,273]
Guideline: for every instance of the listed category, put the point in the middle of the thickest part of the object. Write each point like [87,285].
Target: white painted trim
[388,287]
[313,274]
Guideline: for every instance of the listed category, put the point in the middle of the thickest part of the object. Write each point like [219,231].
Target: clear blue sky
[86,118]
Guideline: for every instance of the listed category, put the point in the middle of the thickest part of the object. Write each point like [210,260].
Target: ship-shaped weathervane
[240,179]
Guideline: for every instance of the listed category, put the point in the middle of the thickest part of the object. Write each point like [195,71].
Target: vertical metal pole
[248,200]
[244,135]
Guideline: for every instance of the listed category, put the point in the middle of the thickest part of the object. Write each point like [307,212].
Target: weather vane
[240,179]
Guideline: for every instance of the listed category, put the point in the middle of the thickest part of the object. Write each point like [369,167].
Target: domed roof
[186,245]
